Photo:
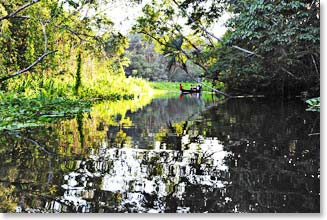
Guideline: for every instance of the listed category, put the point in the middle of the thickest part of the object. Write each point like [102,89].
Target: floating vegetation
[314,104]
[17,112]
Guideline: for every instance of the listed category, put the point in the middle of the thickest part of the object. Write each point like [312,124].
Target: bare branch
[19,9]
[313,134]
[188,40]
[245,50]
[21,17]
[45,50]
[289,73]
[315,64]
[27,68]
[43,24]
[79,34]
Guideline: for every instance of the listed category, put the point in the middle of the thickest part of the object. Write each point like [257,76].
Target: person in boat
[180,87]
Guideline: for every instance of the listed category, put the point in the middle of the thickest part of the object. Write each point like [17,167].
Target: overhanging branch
[211,34]
[19,9]
[45,50]
[27,68]
[289,73]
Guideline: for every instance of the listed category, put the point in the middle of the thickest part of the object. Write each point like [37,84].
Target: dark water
[173,155]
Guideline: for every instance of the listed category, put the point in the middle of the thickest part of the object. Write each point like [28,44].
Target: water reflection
[172,155]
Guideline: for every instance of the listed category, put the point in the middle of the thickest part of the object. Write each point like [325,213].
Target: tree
[265,42]
[48,27]
[286,36]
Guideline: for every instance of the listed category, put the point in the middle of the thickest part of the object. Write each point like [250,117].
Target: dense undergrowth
[33,102]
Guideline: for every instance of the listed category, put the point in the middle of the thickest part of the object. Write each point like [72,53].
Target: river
[170,154]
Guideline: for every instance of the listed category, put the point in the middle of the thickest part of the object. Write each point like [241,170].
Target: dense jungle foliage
[56,56]
[83,51]
[271,47]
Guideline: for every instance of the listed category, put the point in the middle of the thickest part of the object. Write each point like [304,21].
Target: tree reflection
[173,155]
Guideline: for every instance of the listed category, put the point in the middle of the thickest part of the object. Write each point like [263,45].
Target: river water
[175,154]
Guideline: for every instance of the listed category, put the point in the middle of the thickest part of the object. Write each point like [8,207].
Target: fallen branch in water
[248,96]
[313,134]
[289,73]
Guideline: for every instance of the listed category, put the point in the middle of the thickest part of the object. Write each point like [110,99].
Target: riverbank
[36,102]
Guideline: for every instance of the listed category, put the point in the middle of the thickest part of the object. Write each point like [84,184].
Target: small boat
[191,90]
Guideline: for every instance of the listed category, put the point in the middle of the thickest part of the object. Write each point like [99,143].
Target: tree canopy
[269,45]
[31,31]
